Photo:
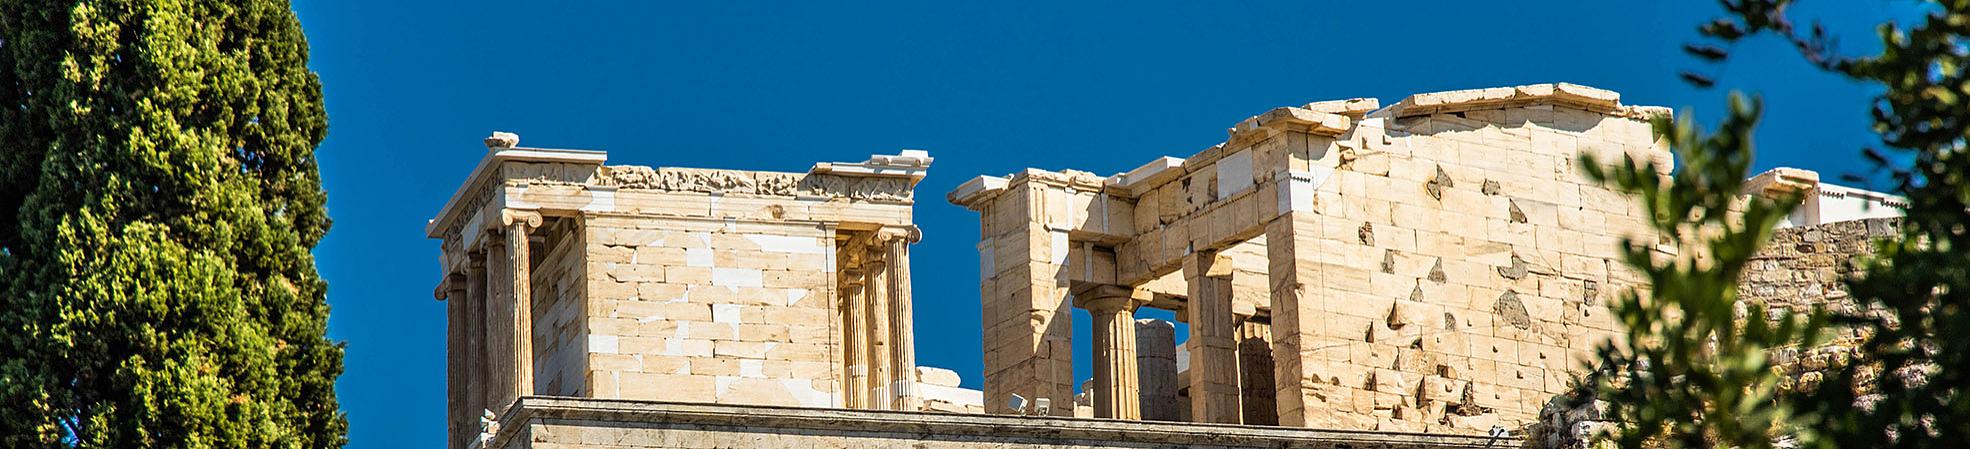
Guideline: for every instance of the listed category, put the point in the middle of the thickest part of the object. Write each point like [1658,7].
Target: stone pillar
[1029,326]
[458,422]
[1116,392]
[857,390]
[1213,352]
[881,373]
[519,332]
[1291,277]
[1156,368]
[902,327]
[475,338]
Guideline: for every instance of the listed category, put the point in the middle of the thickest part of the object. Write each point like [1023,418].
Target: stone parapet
[546,422]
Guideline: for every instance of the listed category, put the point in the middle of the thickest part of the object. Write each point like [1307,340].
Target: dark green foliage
[160,197]
[1910,385]
[1690,374]
[1911,388]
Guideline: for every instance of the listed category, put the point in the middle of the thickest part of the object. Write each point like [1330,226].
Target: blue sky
[413,85]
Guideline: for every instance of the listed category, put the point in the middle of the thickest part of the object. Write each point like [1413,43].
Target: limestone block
[737,277]
[687,275]
[746,259]
[647,386]
[937,376]
[666,365]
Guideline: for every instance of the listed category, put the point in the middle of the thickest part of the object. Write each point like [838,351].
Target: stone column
[857,390]
[498,322]
[902,328]
[1213,350]
[1156,368]
[458,423]
[475,338]
[519,264]
[1116,391]
[1257,394]
[881,373]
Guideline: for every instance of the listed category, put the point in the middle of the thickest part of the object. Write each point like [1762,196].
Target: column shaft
[457,412]
[475,339]
[1213,350]
[1117,389]
[520,261]
[1156,368]
[855,315]
[902,326]
[881,373]
[498,325]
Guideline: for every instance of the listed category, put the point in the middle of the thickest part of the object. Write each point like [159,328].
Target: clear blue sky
[988,89]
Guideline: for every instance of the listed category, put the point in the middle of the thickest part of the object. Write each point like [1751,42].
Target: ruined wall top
[1331,118]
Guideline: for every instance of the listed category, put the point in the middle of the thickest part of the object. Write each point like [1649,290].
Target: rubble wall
[1801,269]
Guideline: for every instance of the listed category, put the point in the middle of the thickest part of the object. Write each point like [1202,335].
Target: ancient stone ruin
[1427,266]
[568,277]
[1426,274]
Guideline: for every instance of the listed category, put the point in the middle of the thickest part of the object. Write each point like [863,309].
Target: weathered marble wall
[560,328]
[1436,265]
[735,313]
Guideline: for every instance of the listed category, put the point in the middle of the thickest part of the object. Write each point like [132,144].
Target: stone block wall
[1435,265]
[1460,260]
[560,328]
[735,313]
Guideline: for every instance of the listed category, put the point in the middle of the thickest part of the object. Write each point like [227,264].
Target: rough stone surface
[1425,267]
[542,423]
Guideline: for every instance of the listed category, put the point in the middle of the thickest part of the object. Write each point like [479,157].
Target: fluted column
[857,389]
[475,335]
[475,338]
[1214,391]
[1156,369]
[902,328]
[1117,390]
[458,413]
[881,370]
[519,265]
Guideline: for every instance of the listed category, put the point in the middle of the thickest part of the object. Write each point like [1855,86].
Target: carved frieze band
[875,189]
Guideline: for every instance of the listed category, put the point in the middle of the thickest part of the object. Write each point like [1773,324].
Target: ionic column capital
[908,234]
[528,218]
[452,287]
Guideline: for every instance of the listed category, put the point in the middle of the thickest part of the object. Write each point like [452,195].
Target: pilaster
[1214,391]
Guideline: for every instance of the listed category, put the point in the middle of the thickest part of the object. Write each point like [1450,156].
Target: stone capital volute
[908,234]
[527,218]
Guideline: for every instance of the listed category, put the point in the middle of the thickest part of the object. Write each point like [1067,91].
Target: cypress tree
[158,201]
